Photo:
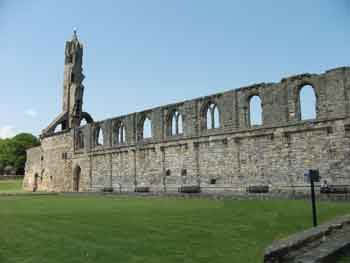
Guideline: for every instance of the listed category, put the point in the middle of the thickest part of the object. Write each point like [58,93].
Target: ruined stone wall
[226,158]
[50,164]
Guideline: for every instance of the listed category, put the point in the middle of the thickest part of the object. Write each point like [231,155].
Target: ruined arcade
[208,142]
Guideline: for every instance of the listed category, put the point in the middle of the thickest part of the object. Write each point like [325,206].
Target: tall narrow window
[173,124]
[147,128]
[209,119]
[176,124]
[213,117]
[121,133]
[99,136]
[216,117]
[255,111]
[307,100]
[80,140]
[180,124]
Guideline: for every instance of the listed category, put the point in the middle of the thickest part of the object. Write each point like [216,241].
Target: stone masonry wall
[231,157]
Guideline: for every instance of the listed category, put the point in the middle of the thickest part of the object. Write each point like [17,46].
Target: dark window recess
[168,172]
[183,172]
[69,59]
[64,156]
[213,181]
[347,130]
[72,78]
[42,158]
[78,105]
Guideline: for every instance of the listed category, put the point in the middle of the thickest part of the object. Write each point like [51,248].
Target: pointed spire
[75,36]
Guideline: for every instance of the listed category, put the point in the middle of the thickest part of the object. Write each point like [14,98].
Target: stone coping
[317,244]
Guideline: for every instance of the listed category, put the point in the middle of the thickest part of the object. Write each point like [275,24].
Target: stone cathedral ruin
[208,142]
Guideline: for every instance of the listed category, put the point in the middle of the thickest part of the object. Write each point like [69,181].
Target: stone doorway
[35,185]
[76,178]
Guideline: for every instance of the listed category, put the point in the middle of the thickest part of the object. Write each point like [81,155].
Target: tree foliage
[13,152]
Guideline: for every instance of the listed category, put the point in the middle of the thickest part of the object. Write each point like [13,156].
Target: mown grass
[11,186]
[113,229]
[344,257]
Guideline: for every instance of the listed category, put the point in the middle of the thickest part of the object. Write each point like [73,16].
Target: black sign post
[313,176]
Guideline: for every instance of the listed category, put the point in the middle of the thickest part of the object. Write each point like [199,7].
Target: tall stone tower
[73,89]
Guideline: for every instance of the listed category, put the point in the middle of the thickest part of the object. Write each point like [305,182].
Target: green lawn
[10,186]
[344,257]
[119,229]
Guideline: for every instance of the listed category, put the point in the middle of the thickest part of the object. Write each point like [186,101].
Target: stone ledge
[313,245]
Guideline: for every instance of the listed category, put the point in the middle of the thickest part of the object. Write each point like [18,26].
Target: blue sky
[141,54]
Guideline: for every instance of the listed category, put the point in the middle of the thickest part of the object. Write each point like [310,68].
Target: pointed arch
[255,111]
[147,128]
[180,124]
[209,119]
[99,136]
[119,133]
[176,123]
[83,122]
[173,124]
[212,116]
[85,119]
[216,118]
[307,103]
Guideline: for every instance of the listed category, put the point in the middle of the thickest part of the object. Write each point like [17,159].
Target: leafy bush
[13,152]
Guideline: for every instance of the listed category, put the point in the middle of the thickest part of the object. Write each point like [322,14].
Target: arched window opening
[216,118]
[213,117]
[58,128]
[83,122]
[120,134]
[147,128]
[180,124]
[176,124]
[80,140]
[209,119]
[99,137]
[307,99]
[255,111]
[173,125]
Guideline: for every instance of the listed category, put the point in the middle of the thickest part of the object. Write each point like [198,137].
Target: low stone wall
[226,195]
[316,245]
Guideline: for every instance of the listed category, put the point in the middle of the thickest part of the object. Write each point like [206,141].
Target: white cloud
[7,132]
[31,113]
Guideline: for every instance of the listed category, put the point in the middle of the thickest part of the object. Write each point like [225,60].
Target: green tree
[13,151]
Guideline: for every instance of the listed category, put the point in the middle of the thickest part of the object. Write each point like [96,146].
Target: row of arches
[307,103]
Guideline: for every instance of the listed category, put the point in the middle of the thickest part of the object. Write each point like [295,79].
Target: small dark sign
[313,175]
